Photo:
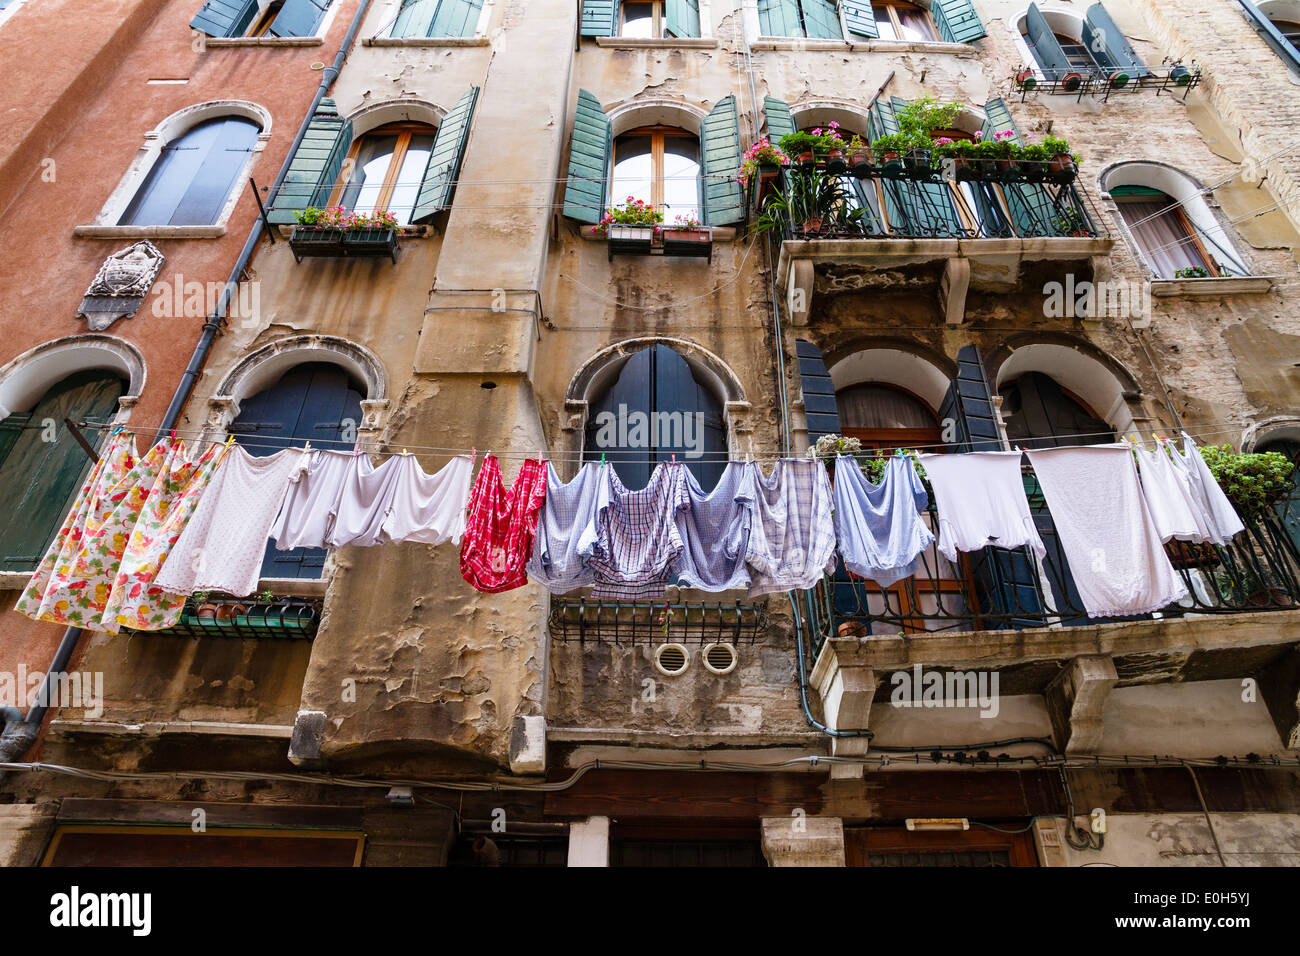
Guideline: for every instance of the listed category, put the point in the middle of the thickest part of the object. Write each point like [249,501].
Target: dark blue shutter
[314,402]
[957,20]
[1108,45]
[194,175]
[298,18]
[820,410]
[315,166]
[1046,49]
[860,18]
[445,157]
[584,196]
[599,17]
[724,200]
[224,18]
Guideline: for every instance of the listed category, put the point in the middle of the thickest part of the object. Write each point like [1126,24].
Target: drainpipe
[19,735]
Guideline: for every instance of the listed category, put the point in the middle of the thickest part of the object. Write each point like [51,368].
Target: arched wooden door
[315,402]
[39,477]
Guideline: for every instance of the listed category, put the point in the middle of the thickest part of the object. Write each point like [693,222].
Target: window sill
[293,587]
[653,43]
[406,232]
[426,41]
[720,234]
[912,46]
[1211,288]
[149,232]
[14,580]
[799,43]
[263,41]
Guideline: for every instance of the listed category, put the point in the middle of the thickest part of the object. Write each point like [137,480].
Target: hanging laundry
[637,545]
[364,498]
[1220,517]
[715,529]
[222,546]
[136,601]
[1168,491]
[307,515]
[981,502]
[499,534]
[792,541]
[879,528]
[1110,540]
[72,583]
[428,508]
[566,530]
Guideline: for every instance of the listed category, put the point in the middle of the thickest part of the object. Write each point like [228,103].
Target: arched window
[799,18]
[316,402]
[1164,234]
[1039,413]
[193,176]
[385,169]
[38,476]
[655,410]
[886,417]
[659,165]
[896,20]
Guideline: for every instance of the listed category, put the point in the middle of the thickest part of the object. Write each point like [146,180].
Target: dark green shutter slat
[821,20]
[860,18]
[1047,50]
[779,18]
[724,201]
[998,119]
[298,18]
[886,115]
[779,120]
[820,410]
[584,196]
[456,18]
[683,18]
[957,20]
[315,166]
[415,18]
[444,159]
[1030,205]
[224,18]
[1108,45]
[598,17]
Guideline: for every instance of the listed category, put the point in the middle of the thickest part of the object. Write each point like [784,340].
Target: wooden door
[977,847]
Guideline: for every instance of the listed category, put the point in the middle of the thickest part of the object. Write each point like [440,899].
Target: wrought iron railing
[1171,78]
[915,196]
[281,617]
[998,588]
[634,622]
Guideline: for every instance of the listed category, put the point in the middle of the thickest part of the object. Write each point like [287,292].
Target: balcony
[962,226]
[625,624]
[247,618]
[317,243]
[1171,77]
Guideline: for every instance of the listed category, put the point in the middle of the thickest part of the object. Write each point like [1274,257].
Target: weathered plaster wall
[1184,839]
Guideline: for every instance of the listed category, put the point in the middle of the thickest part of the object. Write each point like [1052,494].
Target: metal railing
[918,197]
[628,623]
[283,617]
[999,588]
[1171,78]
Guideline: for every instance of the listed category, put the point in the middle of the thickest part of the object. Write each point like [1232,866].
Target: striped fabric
[499,533]
[637,544]
[792,542]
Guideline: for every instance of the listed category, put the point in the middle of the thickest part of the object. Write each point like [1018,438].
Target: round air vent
[671,659]
[719,658]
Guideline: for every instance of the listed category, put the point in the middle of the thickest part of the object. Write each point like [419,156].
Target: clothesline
[566,455]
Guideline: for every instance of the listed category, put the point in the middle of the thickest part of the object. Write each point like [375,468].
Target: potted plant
[336,231]
[859,154]
[630,227]
[954,157]
[1253,481]
[1071,82]
[1071,222]
[1180,75]
[1192,272]
[813,203]
[203,609]
[229,612]
[687,237]
[1032,160]
[1025,79]
[764,161]
[803,147]
[889,151]
[1062,164]
[924,117]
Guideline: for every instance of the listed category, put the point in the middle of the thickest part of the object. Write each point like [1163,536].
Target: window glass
[681,178]
[639,20]
[194,175]
[385,171]
[884,23]
[915,23]
[633,169]
[661,167]
[406,188]
[1164,236]
[370,170]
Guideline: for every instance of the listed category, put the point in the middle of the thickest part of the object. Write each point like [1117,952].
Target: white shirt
[981,502]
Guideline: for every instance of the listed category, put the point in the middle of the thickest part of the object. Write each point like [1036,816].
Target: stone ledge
[658,43]
[1211,288]
[149,232]
[426,41]
[263,41]
[162,728]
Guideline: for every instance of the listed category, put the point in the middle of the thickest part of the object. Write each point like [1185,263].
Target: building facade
[1147,296]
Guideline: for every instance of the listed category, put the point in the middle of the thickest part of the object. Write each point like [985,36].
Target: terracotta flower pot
[1071,82]
[1061,167]
[206,612]
[807,160]
[1026,80]
[852,629]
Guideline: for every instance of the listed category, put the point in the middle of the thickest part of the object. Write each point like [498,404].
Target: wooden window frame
[1194,234]
[657,134]
[264,18]
[404,132]
[896,21]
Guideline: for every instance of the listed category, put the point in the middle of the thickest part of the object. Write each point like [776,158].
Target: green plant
[337,217]
[634,212]
[1192,272]
[793,144]
[828,446]
[266,596]
[1069,222]
[1055,146]
[919,118]
[762,153]
[874,466]
[200,596]
[1253,481]
[813,196]
[894,143]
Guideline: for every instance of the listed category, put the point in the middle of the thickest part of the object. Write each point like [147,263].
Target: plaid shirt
[499,531]
[637,543]
[565,529]
[792,541]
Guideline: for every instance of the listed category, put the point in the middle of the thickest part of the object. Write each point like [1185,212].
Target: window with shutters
[437,18]
[1069,53]
[193,177]
[261,18]
[384,170]
[902,21]
[818,19]
[659,165]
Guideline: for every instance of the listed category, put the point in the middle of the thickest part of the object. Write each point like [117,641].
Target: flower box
[689,242]
[316,242]
[630,240]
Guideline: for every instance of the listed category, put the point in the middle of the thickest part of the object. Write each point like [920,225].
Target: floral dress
[134,601]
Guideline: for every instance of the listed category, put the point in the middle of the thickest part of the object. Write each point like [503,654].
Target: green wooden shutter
[779,121]
[40,478]
[724,200]
[224,18]
[599,17]
[584,196]
[925,209]
[1030,204]
[444,160]
[415,18]
[957,20]
[821,20]
[860,18]
[1042,41]
[456,18]
[997,119]
[884,114]
[316,165]
[1108,45]
[779,18]
[683,18]
[298,18]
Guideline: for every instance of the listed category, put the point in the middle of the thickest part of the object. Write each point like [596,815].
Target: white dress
[428,508]
[222,546]
[981,502]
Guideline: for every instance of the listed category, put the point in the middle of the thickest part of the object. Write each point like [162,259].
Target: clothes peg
[602,458]
[405,452]
[306,448]
[674,459]
[230,440]
[173,434]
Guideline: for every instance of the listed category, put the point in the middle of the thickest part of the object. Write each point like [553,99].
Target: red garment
[499,534]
